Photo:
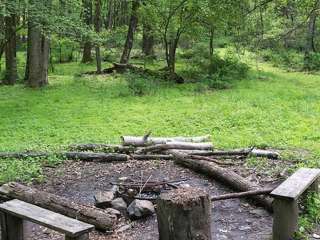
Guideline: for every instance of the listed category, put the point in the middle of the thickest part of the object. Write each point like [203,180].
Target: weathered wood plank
[55,221]
[11,227]
[297,183]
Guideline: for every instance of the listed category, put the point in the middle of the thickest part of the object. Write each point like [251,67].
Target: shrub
[140,85]
[312,62]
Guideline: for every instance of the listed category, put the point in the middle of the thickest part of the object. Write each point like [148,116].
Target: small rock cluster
[112,201]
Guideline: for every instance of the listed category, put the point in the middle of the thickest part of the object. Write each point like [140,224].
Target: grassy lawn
[270,108]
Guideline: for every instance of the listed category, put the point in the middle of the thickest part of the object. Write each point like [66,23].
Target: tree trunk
[38,57]
[223,175]
[110,15]
[147,40]
[101,219]
[97,24]
[10,50]
[310,45]
[184,213]
[211,43]
[131,30]
[87,13]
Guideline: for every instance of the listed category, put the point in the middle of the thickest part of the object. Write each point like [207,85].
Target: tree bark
[310,45]
[101,219]
[83,156]
[87,13]
[223,175]
[38,57]
[11,75]
[147,40]
[184,213]
[97,24]
[242,194]
[140,141]
[175,145]
[131,30]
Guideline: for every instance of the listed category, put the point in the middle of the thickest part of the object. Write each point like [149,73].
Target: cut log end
[184,213]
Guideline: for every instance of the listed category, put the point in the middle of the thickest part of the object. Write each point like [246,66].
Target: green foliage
[312,62]
[140,85]
[310,216]
[289,59]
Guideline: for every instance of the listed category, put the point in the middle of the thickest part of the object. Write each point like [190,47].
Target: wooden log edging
[101,219]
[232,179]
[176,146]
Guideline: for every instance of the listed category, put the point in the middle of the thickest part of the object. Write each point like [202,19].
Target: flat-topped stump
[15,211]
[184,213]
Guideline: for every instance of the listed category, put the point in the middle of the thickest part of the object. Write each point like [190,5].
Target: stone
[119,204]
[140,208]
[113,211]
[103,199]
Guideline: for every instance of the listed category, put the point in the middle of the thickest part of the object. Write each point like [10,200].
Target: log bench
[285,204]
[14,212]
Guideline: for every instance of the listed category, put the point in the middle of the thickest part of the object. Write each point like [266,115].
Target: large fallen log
[176,145]
[142,157]
[83,156]
[236,152]
[101,219]
[228,177]
[96,157]
[107,148]
[146,140]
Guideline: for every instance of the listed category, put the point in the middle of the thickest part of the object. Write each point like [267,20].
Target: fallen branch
[203,158]
[265,153]
[143,141]
[223,175]
[102,147]
[101,219]
[151,157]
[83,156]
[176,145]
[242,194]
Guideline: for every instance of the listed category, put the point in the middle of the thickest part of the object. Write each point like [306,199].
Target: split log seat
[285,204]
[15,211]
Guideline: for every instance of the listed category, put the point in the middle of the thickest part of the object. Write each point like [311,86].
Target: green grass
[270,108]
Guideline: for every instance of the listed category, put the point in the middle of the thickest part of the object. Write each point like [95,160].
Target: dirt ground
[79,181]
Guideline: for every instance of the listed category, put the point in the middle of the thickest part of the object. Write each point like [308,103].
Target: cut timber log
[176,145]
[109,148]
[83,156]
[236,152]
[184,213]
[265,153]
[223,175]
[146,140]
[101,219]
[242,194]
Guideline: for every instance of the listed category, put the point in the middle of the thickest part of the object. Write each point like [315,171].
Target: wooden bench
[15,211]
[285,204]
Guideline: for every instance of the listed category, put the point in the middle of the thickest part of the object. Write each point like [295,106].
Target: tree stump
[184,213]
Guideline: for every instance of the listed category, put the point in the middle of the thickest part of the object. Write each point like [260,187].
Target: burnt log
[226,176]
[184,213]
[140,141]
[101,219]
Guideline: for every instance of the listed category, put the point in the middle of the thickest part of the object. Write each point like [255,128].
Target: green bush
[140,85]
[312,62]
[289,59]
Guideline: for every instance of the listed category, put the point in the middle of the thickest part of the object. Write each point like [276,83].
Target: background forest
[246,71]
